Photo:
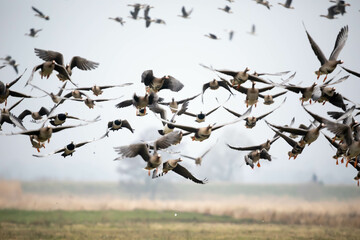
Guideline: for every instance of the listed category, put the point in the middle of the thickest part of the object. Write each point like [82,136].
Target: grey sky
[82,28]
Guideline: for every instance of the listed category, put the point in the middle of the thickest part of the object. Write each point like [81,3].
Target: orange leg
[342,160]
[318,75]
[49,140]
[255,104]
[149,172]
[324,103]
[5,102]
[347,162]
[38,149]
[295,156]
[325,78]
[333,140]
[43,145]
[337,162]
[355,163]
[310,101]
[193,138]
[258,164]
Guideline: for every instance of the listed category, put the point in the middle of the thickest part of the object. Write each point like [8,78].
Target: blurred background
[309,190]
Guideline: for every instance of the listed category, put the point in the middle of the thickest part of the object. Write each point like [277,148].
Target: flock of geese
[341,124]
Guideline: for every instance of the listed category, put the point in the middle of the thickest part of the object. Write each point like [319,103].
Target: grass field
[141,224]
[75,210]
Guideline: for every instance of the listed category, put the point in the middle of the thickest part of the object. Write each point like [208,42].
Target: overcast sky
[82,28]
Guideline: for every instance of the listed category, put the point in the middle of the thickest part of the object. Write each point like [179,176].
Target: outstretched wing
[133,150]
[48,55]
[186,174]
[339,43]
[38,11]
[319,54]
[83,63]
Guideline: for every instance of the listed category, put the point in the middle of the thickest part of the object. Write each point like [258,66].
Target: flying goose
[324,93]
[252,94]
[46,68]
[44,133]
[135,13]
[339,8]
[167,126]
[173,165]
[231,35]
[90,103]
[98,90]
[241,77]
[60,118]
[11,62]
[332,11]
[340,149]
[156,84]
[255,156]
[309,135]
[140,102]
[212,36]
[76,61]
[184,13]
[342,131]
[203,133]
[329,65]
[201,116]
[306,92]
[33,32]
[147,18]
[266,145]
[75,94]
[119,20]
[56,98]
[198,160]
[287,4]
[69,149]
[253,30]
[250,122]
[173,105]
[8,117]
[226,9]
[40,14]
[119,124]
[297,148]
[269,99]
[35,115]
[264,3]
[142,149]
[214,85]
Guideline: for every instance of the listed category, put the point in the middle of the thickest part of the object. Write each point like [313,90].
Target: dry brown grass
[270,209]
